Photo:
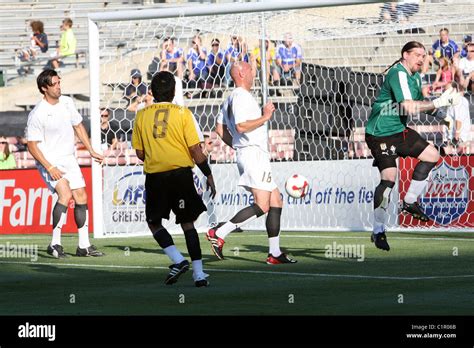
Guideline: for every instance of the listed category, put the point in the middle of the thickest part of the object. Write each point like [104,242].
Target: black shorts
[172,190]
[386,150]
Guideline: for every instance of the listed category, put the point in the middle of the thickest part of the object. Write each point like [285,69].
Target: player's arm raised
[250,125]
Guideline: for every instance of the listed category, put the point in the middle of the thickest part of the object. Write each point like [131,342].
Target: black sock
[58,210]
[247,213]
[163,237]
[193,245]
[80,214]
[273,222]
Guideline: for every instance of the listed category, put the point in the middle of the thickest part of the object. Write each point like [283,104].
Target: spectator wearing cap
[465,69]
[216,63]
[172,58]
[136,90]
[288,58]
[466,40]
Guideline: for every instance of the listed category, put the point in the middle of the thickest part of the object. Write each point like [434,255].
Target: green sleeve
[398,82]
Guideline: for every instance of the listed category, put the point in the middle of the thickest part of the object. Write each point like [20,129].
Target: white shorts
[254,169]
[67,165]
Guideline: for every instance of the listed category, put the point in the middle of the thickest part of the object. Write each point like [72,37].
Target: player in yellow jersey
[165,138]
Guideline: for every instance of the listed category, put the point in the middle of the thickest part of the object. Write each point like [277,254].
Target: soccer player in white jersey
[241,125]
[50,134]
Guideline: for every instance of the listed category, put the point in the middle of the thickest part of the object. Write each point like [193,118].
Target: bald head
[241,73]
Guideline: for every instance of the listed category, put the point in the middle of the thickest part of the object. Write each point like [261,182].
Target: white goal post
[317,130]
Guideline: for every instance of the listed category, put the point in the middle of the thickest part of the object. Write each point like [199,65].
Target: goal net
[323,100]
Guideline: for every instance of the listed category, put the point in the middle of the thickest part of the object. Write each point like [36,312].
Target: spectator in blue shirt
[172,58]
[196,59]
[237,51]
[216,63]
[288,58]
[443,47]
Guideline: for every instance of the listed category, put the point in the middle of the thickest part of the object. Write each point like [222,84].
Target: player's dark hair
[45,79]
[407,48]
[444,29]
[162,86]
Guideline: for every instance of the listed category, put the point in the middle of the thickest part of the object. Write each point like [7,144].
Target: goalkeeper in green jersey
[388,136]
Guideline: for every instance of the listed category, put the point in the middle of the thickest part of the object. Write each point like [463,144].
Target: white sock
[274,243]
[225,229]
[174,254]
[380,219]
[415,190]
[57,230]
[229,226]
[84,234]
[198,272]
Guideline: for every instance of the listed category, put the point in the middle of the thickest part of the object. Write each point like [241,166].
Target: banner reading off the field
[448,198]
[26,203]
[340,195]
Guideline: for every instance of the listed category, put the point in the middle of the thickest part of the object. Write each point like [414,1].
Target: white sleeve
[178,92]
[34,128]
[76,117]
[241,107]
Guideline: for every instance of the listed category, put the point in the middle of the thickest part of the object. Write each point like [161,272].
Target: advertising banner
[340,195]
[26,203]
[448,198]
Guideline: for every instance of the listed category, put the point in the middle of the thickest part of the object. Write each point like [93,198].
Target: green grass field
[129,280]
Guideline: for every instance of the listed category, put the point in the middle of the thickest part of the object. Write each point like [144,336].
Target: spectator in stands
[136,91]
[235,52]
[108,136]
[406,9]
[389,12]
[444,75]
[67,43]
[466,41]
[460,135]
[288,58]
[216,63]
[465,69]
[172,58]
[39,43]
[7,160]
[443,47]
[196,61]
[271,68]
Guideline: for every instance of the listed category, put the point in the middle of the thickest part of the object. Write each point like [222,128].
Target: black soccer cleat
[380,241]
[175,271]
[415,211]
[57,251]
[89,251]
[201,283]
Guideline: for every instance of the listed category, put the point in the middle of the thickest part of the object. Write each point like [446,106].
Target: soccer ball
[297,186]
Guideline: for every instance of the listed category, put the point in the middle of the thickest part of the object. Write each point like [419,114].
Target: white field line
[295,274]
[364,235]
